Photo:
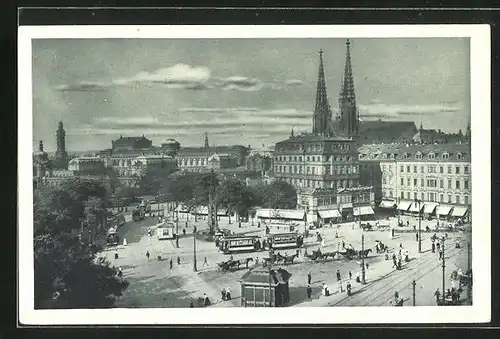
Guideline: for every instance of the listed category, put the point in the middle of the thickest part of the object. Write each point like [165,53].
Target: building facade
[61,157]
[439,173]
[87,164]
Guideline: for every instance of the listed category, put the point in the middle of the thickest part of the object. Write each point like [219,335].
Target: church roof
[378,131]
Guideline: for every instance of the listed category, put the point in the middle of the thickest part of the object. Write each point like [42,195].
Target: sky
[239,91]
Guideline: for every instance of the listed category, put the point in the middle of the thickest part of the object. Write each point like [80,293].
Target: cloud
[380,110]
[180,76]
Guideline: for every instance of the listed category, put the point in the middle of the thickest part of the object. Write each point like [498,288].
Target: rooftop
[405,151]
[261,276]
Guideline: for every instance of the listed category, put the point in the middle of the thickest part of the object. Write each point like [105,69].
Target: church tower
[206,141]
[349,115]
[61,154]
[322,118]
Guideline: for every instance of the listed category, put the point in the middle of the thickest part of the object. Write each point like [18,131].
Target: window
[431,156]
[414,169]
[307,158]
[457,199]
[294,158]
[295,169]
[415,183]
[408,195]
[422,196]
[422,169]
[384,181]
[441,197]
[281,169]
[457,169]
[441,169]
[441,183]
[449,198]
[313,170]
[466,199]
[408,169]
[402,195]
[449,169]
[459,156]
[415,195]
[466,184]
[300,158]
[308,169]
[422,183]
[457,184]
[402,181]
[284,169]
[418,156]
[445,155]
[408,182]
[449,183]
[402,168]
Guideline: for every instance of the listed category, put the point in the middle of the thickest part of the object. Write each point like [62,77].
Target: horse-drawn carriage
[231,264]
[367,227]
[278,258]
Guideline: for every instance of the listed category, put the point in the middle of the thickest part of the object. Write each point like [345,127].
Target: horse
[364,253]
[247,260]
[315,255]
[326,255]
[349,253]
[287,260]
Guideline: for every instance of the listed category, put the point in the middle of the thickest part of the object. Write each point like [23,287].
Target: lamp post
[270,264]
[413,285]
[469,287]
[363,281]
[177,230]
[443,265]
[419,202]
[194,249]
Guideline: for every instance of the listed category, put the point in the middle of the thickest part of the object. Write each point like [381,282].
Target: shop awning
[416,207]
[429,207]
[363,210]
[459,211]
[386,204]
[280,214]
[443,209]
[404,205]
[181,209]
[329,214]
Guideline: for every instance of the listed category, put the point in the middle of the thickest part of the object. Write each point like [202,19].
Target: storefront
[363,212]
[459,212]
[330,216]
[443,211]
[404,206]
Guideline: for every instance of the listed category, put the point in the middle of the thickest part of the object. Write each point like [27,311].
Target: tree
[234,195]
[66,272]
[95,213]
[279,195]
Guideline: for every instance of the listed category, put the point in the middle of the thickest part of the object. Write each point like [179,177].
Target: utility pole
[270,264]
[419,226]
[177,230]
[363,281]
[413,284]
[444,276]
[194,249]
[469,287]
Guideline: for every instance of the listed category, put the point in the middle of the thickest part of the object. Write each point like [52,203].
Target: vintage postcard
[254,174]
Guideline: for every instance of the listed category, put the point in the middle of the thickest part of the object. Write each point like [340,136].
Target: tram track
[387,288]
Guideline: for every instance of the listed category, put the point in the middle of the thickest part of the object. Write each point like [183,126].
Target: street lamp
[443,265]
[419,225]
[363,281]
[177,230]
[270,264]
[194,249]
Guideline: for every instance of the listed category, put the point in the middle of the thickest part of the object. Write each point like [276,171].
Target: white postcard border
[480,311]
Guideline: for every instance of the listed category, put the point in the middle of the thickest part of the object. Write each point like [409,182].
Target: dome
[170,142]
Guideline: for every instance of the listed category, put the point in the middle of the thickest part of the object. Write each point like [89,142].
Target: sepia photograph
[176,179]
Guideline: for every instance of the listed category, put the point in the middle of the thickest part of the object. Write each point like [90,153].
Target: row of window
[435,197]
[315,147]
[418,156]
[327,158]
[434,183]
[322,184]
[193,162]
[432,169]
[345,169]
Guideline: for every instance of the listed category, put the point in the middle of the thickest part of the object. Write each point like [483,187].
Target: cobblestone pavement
[154,284]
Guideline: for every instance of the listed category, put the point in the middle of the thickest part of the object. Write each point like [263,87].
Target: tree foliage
[277,195]
[64,263]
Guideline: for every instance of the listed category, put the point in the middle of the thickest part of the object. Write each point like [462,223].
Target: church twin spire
[347,121]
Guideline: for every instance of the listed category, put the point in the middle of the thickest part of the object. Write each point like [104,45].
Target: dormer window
[445,156]
[459,156]
[391,156]
[418,155]
[431,155]
[405,156]
[384,156]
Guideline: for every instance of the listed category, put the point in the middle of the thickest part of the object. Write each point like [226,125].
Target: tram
[285,240]
[235,244]
[138,214]
[112,238]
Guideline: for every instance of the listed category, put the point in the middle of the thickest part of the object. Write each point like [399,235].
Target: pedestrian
[367,265]
[416,236]
[309,291]
[336,234]
[358,280]
[433,247]
[223,293]
[394,263]
[438,245]
[338,275]
[206,301]
[350,275]
[116,254]
[399,264]
[414,228]
[437,294]
[408,223]
[184,231]
[340,288]
[191,305]
[171,263]
[440,254]
[120,272]
[348,288]
[178,260]
[147,254]
[343,245]
[228,293]
[309,278]
[205,262]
